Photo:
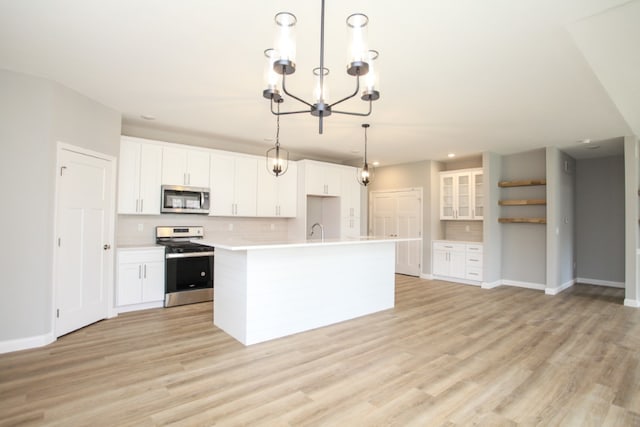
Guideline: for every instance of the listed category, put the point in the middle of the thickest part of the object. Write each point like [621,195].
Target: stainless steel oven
[188,266]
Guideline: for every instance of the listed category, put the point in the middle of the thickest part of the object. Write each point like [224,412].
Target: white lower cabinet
[456,260]
[140,282]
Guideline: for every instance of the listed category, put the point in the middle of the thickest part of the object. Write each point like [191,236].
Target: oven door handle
[189,255]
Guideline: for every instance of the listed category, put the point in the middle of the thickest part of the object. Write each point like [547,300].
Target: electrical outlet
[140,227]
[466,228]
[273,227]
[230,226]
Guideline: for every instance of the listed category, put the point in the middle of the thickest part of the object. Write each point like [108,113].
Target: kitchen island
[268,290]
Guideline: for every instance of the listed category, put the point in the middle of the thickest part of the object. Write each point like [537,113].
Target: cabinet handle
[145,271]
[139,271]
[141,205]
[189,178]
[137,205]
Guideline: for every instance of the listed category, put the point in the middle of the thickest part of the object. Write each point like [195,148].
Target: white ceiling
[461,76]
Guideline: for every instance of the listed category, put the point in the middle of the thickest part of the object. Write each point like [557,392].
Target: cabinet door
[129,284]
[447,196]
[332,180]
[478,202]
[267,190]
[129,177]
[197,168]
[463,196]
[150,178]
[222,187]
[440,263]
[153,281]
[457,264]
[314,179]
[288,192]
[246,186]
[174,166]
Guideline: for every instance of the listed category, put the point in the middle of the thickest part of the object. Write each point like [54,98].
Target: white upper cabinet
[139,177]
[458,194]
[321,179]
[350,202]
[277,196]
[185,166]
[478,197]
[233,185]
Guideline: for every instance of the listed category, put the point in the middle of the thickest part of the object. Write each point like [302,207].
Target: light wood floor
[448,354]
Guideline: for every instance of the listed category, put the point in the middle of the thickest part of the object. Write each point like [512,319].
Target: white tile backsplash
[467,231]
[140,229]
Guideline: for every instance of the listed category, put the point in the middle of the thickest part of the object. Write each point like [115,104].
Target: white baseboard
[631,303]
[141,306]
[426,276]
[556,291]
[26,343]
[599,282]
[457,280]
[491,285]
[528,285]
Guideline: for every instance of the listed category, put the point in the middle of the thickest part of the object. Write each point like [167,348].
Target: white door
[399,214]
[83,259]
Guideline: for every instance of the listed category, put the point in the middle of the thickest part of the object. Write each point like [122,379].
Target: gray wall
[36,113]
[561,228]
[492,229]
[416,175]
[523,245]
[600,218]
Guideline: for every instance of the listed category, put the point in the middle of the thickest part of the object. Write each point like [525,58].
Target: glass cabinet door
[446,197]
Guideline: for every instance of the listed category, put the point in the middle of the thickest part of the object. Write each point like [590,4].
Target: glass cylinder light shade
[271,78]
[285,43]
[357,54]
[365,175]
[372,79]
[320,89]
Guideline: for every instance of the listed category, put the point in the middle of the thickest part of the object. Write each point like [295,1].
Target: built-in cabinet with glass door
[461,195]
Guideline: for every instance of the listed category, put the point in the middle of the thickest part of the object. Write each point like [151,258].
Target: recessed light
[147,117]
[585,141]
[451,155]
[376,163]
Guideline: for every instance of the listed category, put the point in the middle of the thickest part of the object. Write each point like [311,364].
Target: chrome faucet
[321,230]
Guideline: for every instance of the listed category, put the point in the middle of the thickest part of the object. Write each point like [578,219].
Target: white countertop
[240,244]
[464,242]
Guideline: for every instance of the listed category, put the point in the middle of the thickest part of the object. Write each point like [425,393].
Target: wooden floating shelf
[523,220]
[522,183]
[522,202]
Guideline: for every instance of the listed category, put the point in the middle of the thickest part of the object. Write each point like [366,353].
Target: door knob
[106,247]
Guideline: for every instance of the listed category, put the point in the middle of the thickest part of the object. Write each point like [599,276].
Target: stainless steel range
[188,265]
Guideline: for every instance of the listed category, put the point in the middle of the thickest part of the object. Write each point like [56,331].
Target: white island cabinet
[265,291]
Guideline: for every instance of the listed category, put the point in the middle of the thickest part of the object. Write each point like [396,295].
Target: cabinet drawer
[474,248]
[126,256]
[445,246]
[474,260]
[474,273]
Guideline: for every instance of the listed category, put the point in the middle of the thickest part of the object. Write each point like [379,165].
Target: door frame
[110,232]
[420,191]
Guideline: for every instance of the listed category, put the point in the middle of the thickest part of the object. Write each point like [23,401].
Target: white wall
[35,114]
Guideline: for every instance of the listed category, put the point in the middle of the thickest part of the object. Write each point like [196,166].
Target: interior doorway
[83,264]
[398,213]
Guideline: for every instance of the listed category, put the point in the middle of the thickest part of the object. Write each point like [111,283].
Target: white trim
[631,303]
[556,291]
[26,343]
[528,285]
[141,306]
[492,285]
[426,276]
[599,282]
[457,280]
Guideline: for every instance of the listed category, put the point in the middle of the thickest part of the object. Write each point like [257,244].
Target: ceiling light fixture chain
[280,63]
[277,158]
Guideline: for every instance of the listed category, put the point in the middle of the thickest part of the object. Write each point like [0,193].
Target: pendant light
[365,173]
[277,158]
[280,63]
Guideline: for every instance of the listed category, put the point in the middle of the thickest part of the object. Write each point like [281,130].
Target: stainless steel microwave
[182,199]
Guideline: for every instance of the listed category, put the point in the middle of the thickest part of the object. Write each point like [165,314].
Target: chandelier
[365,173]
[280,62]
